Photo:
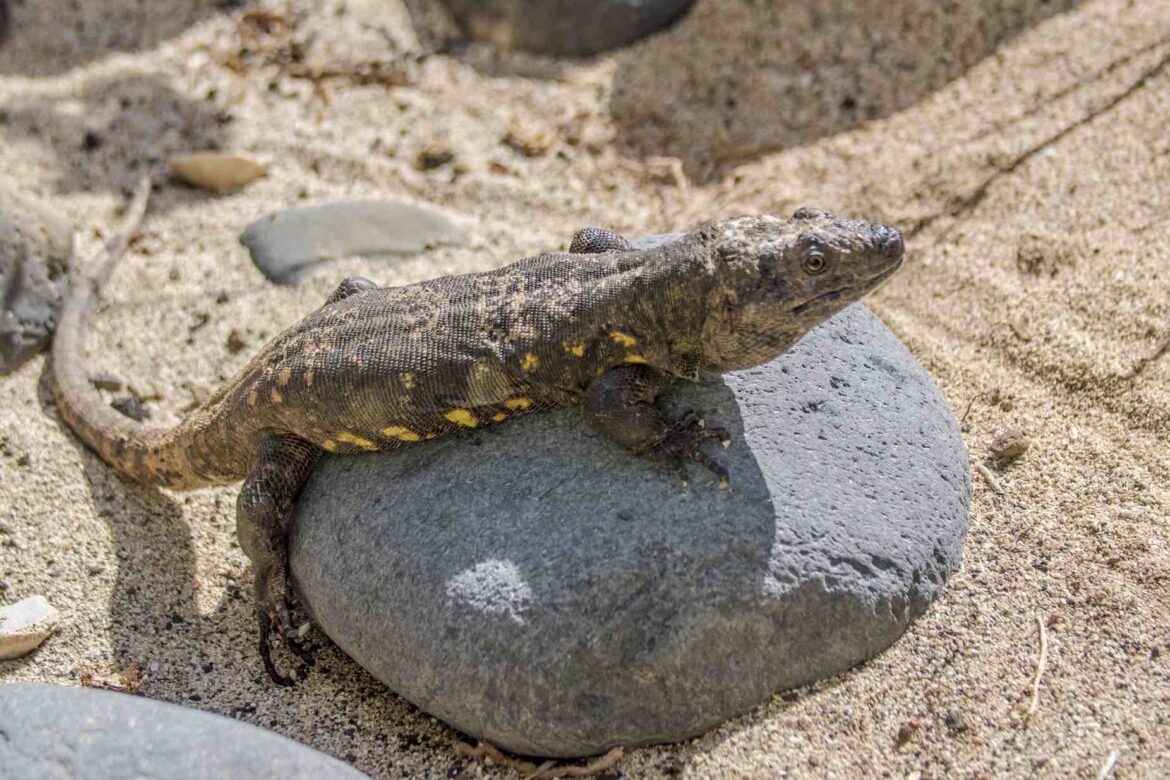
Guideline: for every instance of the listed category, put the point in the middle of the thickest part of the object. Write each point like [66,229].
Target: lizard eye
[815,263]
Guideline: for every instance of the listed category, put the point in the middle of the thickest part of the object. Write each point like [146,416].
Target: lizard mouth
[832,295]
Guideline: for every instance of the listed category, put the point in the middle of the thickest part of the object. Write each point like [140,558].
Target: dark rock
[538,587]
[34,258]
[434,155]
[79,733]
[131,407]
[287,243]
[564,27]
[104,380]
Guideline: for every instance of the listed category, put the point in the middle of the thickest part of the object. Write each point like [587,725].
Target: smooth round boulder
[563,27]
[79,733]
[540,588]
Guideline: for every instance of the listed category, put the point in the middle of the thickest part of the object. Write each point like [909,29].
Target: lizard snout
[889,242]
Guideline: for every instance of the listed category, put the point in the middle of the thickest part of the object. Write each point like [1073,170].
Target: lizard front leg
[593,241]
[621,405]
[283,464]
[350,285]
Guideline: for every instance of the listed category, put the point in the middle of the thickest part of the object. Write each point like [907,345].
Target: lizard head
[775,279]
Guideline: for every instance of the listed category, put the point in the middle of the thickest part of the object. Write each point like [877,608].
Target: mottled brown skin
[606,326]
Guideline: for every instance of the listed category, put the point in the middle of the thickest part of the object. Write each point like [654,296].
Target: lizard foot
[683,441]
[274,609]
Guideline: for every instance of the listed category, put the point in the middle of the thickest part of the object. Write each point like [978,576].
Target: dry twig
[1041,662]
[546,770]
[992,482]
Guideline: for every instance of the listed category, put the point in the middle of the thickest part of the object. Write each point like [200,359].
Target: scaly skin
[606,326]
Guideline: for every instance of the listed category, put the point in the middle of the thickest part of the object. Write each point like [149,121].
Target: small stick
[1041,661]
[1107,767]
[992,482]
[546,770]
[967,411]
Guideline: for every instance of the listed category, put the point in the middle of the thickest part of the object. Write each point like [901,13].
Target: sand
[1022,147]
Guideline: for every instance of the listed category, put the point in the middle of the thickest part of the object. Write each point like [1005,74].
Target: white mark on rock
[493,587]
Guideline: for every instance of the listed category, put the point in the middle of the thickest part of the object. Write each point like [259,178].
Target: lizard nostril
[890,241]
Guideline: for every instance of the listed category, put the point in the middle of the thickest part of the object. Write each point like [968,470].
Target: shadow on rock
[115,131]
[737,79]
[46,37]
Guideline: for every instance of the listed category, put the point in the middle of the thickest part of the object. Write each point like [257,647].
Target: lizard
[605,326]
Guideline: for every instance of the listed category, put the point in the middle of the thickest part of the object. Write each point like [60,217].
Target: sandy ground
[1022,146]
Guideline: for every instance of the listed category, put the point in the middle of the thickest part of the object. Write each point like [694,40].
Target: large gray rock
[565,27]
[34,258]
[51,731]
[536,586]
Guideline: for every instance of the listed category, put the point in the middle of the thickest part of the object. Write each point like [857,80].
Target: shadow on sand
[778,74]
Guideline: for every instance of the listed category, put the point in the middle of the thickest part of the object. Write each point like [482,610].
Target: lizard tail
[150,455]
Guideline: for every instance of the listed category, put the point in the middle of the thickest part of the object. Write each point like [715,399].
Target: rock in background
[564,27]
[56,731]
[34,258]
[540,588]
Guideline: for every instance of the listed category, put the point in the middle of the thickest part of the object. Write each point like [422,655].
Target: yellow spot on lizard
[400,433]
[462,417]
[625,339]
[252,398]
[529,362]
[518,403]
[329,445]
[276,396]
[309,378]
[357,441]
[635,359]
[499,417]
[575,348]
[407,380]
[284,375]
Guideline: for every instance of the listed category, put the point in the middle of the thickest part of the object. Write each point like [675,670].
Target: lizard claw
[683,441]
[273,615]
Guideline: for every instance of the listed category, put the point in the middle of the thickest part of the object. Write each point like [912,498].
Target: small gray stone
[24,626]
[34,258]
[286,243]
[564,27]
[79,733]
[538,587]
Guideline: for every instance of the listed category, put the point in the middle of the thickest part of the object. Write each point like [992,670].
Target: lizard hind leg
[283,465]
[593,241]
[350,285]
[620,405]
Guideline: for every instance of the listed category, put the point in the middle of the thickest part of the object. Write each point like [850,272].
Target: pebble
[433,155]
[286,244]
[1009,445]
[24,626]
[217,171]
